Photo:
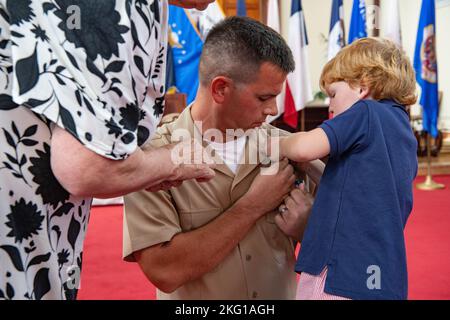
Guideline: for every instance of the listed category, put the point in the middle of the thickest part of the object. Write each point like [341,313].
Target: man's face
[342,96]
[251,103]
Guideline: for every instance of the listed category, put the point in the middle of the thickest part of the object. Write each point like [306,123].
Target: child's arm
[305,146]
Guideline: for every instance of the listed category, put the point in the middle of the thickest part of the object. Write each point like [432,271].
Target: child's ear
[364,92]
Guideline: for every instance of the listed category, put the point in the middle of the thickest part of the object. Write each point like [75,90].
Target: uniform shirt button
[248,257]
[255,294]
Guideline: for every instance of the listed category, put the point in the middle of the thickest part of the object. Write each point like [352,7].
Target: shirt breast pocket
[281,246]
[194,219]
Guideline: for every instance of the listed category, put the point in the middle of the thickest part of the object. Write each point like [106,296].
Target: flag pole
[429,184]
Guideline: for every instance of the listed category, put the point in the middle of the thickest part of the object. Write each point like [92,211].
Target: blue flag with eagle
[425,64]
[188,30]
[186,44]
[358,25]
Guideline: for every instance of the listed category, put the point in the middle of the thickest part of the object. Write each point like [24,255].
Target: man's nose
[272,110]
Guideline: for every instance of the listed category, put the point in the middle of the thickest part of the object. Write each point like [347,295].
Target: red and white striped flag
[273,21]
[273,15]
[391,21]
[298,87]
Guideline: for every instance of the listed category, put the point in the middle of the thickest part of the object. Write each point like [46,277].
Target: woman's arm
[305,146]
[197,4]
[82,172]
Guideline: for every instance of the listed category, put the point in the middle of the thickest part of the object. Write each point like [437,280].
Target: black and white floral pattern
[102,81]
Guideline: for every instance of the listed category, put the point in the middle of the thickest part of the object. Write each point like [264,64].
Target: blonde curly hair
[375,63]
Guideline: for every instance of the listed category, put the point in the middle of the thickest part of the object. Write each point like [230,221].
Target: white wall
[317,16]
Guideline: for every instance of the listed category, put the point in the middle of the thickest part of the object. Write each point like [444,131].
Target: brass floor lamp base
[430,185]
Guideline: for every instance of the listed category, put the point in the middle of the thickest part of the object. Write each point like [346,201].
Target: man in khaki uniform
[225,239]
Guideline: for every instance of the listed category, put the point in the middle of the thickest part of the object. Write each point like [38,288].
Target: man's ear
[220,89]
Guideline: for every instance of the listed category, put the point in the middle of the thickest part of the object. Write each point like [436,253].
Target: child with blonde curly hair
[353,246]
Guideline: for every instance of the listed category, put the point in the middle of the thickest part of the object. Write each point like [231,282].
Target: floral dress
[94,68]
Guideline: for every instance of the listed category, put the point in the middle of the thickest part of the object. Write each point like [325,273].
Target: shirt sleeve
[102,82]
[150,218]
[348,131]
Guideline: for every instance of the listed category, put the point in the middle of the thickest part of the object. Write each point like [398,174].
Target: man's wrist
[248,206]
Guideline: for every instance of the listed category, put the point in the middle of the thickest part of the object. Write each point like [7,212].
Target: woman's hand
[190,161]
[197,4]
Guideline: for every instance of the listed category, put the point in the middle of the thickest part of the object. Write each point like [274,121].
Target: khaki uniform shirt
[260,267]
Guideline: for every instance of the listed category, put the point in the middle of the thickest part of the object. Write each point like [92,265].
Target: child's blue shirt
[364,199]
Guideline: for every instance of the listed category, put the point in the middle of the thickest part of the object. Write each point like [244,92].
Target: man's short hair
[237,46]
[377,63]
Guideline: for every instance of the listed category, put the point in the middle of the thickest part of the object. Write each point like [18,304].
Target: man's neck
[203,111]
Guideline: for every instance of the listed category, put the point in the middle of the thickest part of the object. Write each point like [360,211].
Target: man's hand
[268,191]
[197,4]
[294,213]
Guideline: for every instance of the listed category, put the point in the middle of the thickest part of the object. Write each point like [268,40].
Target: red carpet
[428,244]
[105,276]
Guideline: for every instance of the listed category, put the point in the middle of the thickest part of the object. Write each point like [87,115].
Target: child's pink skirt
[312,287]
